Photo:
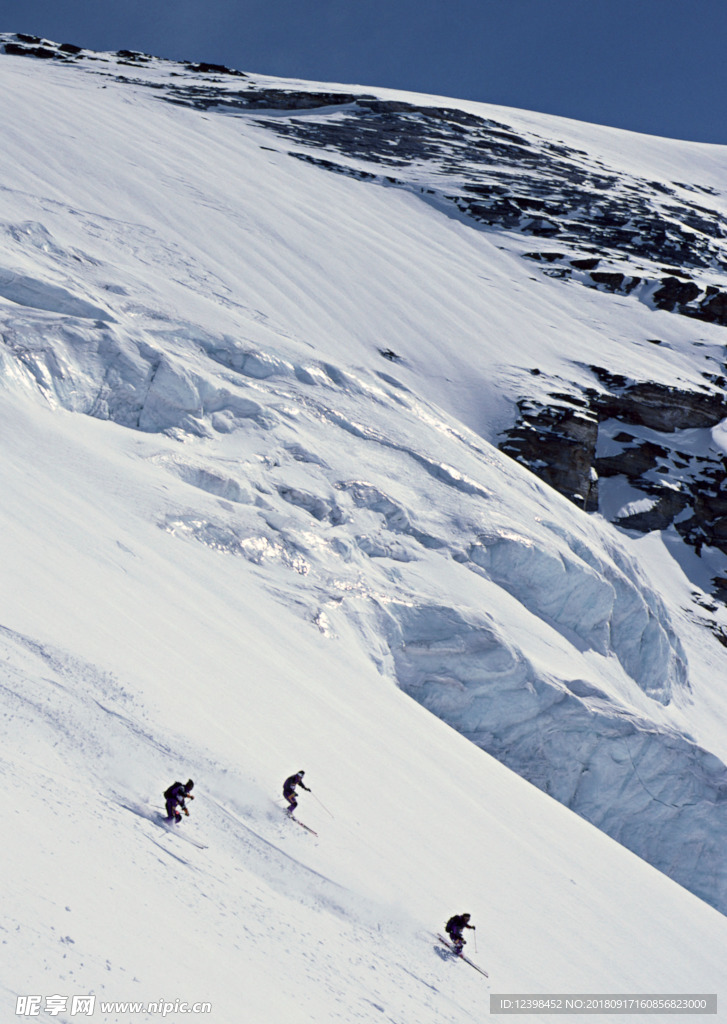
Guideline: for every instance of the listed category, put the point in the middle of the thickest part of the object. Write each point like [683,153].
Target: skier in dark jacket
[454,928]
[289,790]
[175,797]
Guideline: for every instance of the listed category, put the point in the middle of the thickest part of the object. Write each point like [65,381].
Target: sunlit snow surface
[237,539]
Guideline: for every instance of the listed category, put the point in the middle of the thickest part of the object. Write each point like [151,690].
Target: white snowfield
[236,542]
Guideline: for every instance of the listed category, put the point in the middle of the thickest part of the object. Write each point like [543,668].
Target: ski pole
[475,931]
[322,804]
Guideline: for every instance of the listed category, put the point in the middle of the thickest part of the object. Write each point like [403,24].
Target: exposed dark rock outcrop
[675,292]
[632,430]
[215,69]
[18,50]
[660,407]
[713,307]
[559,444]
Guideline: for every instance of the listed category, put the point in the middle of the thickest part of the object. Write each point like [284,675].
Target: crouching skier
[175,797]
[454,928]
[289,790]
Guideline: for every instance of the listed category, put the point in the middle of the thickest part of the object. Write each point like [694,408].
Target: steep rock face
[659,407]
[558,443]
[644,433]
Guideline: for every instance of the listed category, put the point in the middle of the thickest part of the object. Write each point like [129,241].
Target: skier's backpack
[168,792]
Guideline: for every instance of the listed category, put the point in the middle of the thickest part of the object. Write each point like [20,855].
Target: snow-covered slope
[253,506]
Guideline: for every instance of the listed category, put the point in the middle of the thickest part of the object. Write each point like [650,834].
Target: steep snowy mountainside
[302,376]
[130,658]
[632,216]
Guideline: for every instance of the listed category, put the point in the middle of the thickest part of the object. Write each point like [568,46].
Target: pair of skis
[302,824]
[461,956]
[150,812]
[171,826]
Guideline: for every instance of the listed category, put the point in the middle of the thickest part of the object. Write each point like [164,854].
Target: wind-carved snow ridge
[28,291]
[579,592]
[126,377]
[32,238]
[651,789]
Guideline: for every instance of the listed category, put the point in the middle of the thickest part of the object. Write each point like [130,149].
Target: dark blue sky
[656,66]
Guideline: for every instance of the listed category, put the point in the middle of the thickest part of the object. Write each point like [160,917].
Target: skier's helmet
[301,773]
[189,785]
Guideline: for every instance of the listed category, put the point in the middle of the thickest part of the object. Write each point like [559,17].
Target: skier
[454,928]
[175,797]
[289,790]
